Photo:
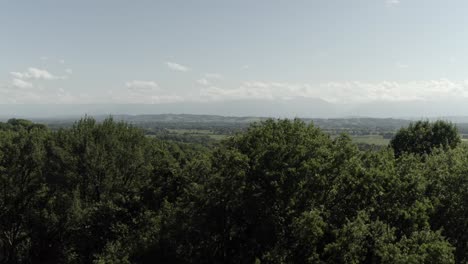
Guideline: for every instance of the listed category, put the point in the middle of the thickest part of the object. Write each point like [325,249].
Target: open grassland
[371,140]
[198,133]
[377,140]
[190,131]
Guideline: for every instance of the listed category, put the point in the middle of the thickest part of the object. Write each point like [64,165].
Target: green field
[198,133]
[371,140]
[190,131]
[365,139]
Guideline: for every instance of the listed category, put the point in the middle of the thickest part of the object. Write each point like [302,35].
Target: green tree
[282,192]
[109,183]
[23,192]
[423,246]
[422,137]
[447,174]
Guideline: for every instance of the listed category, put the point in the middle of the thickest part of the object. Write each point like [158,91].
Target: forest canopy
[283,191]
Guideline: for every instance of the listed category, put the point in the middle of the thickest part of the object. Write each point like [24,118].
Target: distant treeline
[213,122]
[281,191]
[225,125]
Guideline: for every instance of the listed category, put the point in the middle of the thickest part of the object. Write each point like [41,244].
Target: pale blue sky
[122,51]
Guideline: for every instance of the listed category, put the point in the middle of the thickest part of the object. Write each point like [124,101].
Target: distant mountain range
[281,108]
[295,107]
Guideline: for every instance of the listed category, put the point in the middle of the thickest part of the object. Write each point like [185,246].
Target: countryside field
[377,140]
[371,140]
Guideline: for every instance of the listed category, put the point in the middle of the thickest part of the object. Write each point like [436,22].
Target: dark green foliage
[282,192]
[448,187]
[23,191]
[423,136]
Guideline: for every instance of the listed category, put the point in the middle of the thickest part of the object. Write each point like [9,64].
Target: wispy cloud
[69,71]
[142,86]
[21,84]
[357,92]
[177,67]
[392,2]
[213,93]
[203,81]
[143,92]
[35,73]
[25,87]
[24,92]
[342,92]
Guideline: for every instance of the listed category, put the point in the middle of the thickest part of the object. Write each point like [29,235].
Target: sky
[344,52]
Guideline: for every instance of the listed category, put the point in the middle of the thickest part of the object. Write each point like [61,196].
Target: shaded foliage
[281,192]
[423,136]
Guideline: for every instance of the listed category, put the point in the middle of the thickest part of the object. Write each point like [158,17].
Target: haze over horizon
[376,58]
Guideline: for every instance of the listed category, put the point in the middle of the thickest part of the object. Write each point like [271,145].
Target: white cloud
[23,89]
[392,2]
[208,78]
[23,92]
[21,84]
[62,61]
[395,91]
[243,92]
[35,73]
[164,99]
[141,86]
[177,67]
[342,92]
[18,75]
[144,92]
[44,58]
[69,71]
[203,81]
[41,74]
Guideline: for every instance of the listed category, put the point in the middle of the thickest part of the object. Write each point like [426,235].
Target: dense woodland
[280,191]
